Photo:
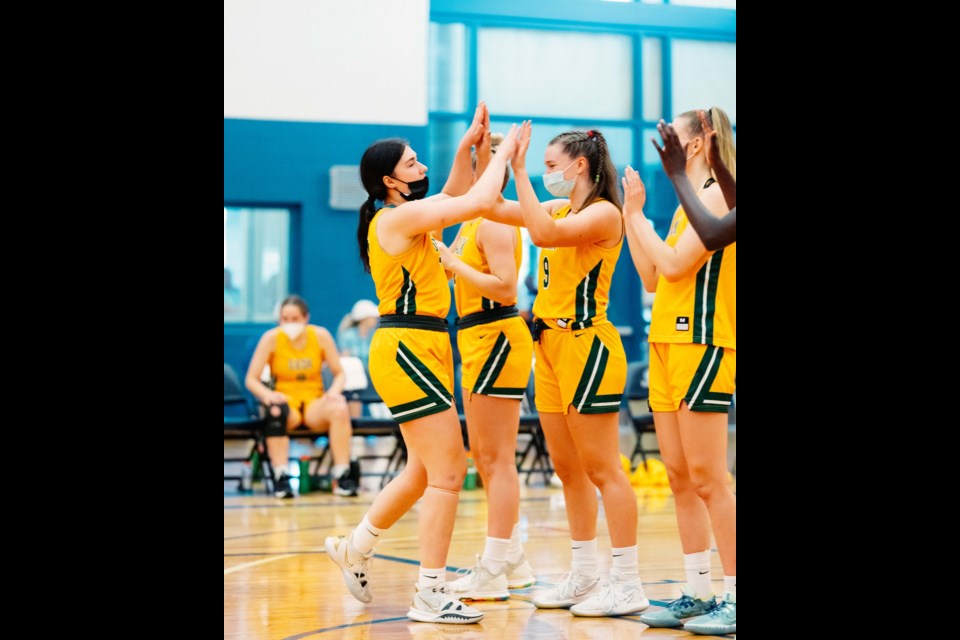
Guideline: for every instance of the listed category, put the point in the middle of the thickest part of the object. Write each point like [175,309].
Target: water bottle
[304,475]
[470,480]
[246,478]
[255,465]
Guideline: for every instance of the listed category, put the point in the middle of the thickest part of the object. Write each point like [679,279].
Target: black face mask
[418,188]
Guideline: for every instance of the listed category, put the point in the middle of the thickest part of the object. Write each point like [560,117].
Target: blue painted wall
[287,163]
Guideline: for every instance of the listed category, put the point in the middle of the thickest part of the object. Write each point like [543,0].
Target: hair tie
[590,133]
[597,179]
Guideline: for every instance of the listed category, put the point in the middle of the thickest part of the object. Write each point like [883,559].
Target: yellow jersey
[412,283]
[295,371]
[575,283]
[469,299]
[701,308]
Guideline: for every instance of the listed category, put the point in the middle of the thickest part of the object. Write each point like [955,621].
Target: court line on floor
[253,563]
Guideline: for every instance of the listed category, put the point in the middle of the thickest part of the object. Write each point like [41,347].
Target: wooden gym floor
[277,582]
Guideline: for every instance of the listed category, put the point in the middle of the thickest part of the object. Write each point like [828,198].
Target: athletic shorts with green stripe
[496,358]
[702,375]
[412,370]
[585,369]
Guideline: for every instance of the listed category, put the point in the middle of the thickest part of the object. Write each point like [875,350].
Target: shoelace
[719,610]
[683,602]
[471,572]
[565,589]
[608,596]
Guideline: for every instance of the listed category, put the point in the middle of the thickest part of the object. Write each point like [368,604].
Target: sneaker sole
[708,630]
[522,584]
[345,493]
[348,578]
[481,595]
[552,605]
[443,618]
[605,614]
[664,624]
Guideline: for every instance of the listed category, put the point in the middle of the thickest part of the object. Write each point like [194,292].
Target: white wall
[362,61]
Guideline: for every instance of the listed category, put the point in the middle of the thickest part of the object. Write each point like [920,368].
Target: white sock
[365,537]
[730,585]
[431,577]
[495,555]
[697,566]
[584,557]
[338,470]
[515,552]
[625,562]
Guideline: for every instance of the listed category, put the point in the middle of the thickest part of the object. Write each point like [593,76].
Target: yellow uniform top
[701,308]
[469,299]
[297,372]
[575,282]
[413,283]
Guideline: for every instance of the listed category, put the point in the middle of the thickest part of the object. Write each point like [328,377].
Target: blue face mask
[556,185]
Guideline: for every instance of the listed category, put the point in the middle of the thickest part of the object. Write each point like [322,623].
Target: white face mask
[556,185]
[293,329]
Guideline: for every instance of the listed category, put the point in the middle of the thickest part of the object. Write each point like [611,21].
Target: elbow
[672,274]
[540,237]
[650,286]
[505,294]
[250,383]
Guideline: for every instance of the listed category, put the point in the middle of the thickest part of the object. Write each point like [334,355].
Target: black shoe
[355,471]
[281,488]
[346,485]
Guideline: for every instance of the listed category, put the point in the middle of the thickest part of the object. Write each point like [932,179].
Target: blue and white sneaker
[436,604]
[687,605]
[720,621]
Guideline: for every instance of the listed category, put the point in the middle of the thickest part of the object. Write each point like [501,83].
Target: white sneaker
[520,574]
[478,583]
[435,604]
[573,588]
[616,598]
[355,575]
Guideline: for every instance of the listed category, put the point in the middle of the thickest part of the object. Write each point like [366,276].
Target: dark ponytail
[380,159]
[593,146]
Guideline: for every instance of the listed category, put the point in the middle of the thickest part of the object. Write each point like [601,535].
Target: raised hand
[484,147]
[519,160]
[673,155]
[634,193]
[711,148]
[481,124]
[508,147]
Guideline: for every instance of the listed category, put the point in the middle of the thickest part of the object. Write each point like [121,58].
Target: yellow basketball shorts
[702,375]
[585,369]
[496,358]
[412,370]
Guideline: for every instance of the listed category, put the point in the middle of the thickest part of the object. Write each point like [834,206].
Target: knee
[679,479]
[340,412]
[705,484]
[277,419]
[493,462]
[601,474]
[449,478]
[569,471]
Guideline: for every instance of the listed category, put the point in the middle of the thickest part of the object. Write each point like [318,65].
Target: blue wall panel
[269,163]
